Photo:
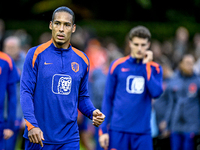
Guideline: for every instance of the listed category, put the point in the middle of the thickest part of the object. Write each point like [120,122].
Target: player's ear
[50,25]
[149,44]
[74,28]
[130,43]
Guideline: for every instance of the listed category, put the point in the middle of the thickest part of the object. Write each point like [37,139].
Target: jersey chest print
[61,84]
[135,84]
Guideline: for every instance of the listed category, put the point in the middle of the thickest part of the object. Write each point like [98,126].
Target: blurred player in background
[131,84]
[12,47]
[182,115]
[8,79]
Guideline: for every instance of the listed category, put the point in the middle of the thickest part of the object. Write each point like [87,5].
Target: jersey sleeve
[13,74]
[108,98]
[84,103]
[154,79]
[12,96]
[27,86]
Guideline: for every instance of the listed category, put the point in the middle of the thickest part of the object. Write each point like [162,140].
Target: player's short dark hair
[64,9]
[141,32]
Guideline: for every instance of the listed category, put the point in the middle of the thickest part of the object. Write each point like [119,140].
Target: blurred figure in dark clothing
[158,56]
[182,116]
[167,50]
[25,39]
[160,107]
[196,42]
[2,33]
[44,37]
[181,45]
[112,49]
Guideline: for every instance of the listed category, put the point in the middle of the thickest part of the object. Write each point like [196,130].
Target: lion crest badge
[61,84]
[75,66]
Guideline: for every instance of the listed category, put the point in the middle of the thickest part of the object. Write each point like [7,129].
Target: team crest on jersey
[135,84]
[192,90]
[75,66]
[61,84]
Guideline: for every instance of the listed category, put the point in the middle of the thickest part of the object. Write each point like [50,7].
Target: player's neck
[61,45]
[138,60]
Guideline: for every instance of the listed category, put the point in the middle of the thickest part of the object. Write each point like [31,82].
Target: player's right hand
[35,135]
[104,141]
[148,56]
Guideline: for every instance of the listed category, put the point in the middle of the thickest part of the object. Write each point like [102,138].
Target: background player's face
[62,27]
[12,48]
[138,47]
[187,65]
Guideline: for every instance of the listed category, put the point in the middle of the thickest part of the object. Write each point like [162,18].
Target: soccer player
[8,80]
[131,84]
[12,47]
[54,84]
[183,96]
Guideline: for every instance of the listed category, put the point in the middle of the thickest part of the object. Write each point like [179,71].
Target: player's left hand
[7,133]
[148,57]
[98,118]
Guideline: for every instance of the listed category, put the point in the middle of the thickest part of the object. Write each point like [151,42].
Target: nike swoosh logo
[125,69]
[47,63]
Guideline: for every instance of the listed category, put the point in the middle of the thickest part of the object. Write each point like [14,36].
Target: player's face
[187,65]
[138,47]
[12,48]
[62,27]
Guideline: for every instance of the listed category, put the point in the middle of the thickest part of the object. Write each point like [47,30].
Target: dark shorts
[129,141]
[68,146]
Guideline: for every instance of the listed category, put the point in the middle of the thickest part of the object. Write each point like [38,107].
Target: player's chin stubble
[60,43]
